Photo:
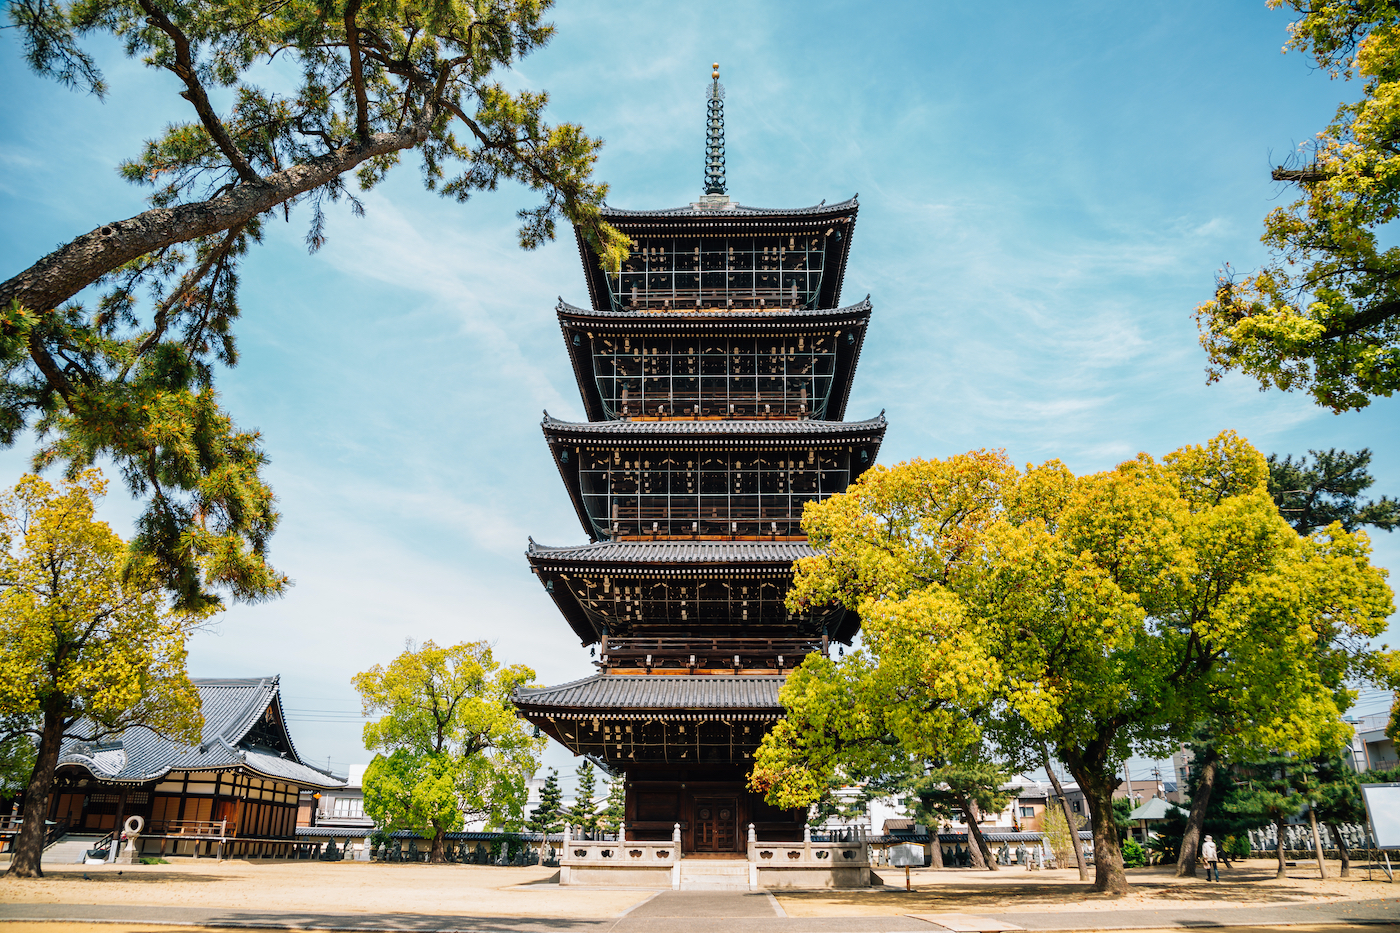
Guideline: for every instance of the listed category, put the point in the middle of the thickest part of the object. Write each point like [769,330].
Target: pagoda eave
[581,326]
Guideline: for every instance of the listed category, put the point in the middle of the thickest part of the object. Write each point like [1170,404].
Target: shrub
[1133,855]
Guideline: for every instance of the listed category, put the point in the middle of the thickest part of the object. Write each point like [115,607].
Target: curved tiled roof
[736,427]
[678,552]
[715,315]
[734,209]
[231,707]
[652,692]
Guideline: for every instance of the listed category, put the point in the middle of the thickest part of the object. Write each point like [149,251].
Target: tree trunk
[29,846]
[981,853]
[1317,843]
[1342,853]
[1195,823]
[77,264]
[1070,819]
[1282,862]
[437,855]
[1098,782]
[935,848]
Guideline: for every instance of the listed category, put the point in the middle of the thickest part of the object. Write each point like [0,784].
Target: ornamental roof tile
[713,316]
[231,707]
[676,552]
[716,428]
[733,209]
[657,692]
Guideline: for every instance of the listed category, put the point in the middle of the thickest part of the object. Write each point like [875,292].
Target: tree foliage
[547,817]
[583,812]
[1314,493]
[1107,611]
[1322,315]
[89,645]
[452,747]
[129,373]
[614,812]
[1062,838]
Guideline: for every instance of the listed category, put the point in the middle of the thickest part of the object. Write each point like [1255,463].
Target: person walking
[1208,853]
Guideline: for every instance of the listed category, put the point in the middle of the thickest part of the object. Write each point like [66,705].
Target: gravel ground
[1250,883]
[367,887]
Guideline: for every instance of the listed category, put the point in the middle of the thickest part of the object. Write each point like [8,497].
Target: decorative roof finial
[714,137]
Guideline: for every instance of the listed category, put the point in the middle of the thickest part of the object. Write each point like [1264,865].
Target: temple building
[714,366]
[233,794]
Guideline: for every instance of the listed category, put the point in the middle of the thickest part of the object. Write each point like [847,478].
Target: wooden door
[716,824]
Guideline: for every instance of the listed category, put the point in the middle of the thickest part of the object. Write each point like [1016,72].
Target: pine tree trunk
[1317,843]
[977,843]
[1342,852]
[1195,823]
[29,846]
[1282,861]
[1069,817]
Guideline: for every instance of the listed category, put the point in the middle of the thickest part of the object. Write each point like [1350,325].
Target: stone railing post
[676,865]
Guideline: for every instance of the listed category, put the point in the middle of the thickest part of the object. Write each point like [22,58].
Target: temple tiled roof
[677,552]
[679,692]
[231,708]
[732,209]
[714,316]
[736,427]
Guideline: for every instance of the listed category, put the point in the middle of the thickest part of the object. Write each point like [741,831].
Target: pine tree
[547,815]
[583,813]
[1265,795]
[1338,801]
[971,788]
[615,809]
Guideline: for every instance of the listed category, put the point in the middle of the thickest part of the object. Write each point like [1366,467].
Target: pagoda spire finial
[714,137]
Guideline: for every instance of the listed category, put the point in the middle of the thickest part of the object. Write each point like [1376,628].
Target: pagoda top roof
[722,316]
[662,693]
[739,428]
[675,552]
[731,209]
[731,219]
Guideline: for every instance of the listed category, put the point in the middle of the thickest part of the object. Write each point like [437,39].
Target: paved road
[722,911]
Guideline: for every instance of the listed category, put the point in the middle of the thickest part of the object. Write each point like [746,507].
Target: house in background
[341,808]
[1371,748]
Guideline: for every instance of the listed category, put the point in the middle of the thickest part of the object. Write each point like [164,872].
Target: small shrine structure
[232,795]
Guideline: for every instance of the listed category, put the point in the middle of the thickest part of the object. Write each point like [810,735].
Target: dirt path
[1006,891]
[362,887]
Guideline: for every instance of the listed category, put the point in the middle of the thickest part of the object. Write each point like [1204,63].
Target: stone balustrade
[583,861]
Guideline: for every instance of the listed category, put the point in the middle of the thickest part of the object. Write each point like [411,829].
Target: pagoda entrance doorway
[716,824]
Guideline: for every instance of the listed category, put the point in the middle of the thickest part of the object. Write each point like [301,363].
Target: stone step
[69,849]
[714,874]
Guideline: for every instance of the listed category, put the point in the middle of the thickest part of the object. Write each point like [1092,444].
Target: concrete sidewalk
[729,912]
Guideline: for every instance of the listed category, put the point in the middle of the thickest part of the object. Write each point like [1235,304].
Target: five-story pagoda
[715,366]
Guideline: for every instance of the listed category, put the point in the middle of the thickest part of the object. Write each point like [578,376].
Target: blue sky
[1046,192]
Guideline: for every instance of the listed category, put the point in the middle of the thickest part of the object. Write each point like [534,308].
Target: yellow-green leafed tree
[89,643]
[452,747]
[1323,313]
[1103,612]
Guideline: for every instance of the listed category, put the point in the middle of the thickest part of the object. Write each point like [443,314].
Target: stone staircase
[708,874]
[69,848]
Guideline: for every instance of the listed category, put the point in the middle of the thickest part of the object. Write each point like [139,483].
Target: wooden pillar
[117,827]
